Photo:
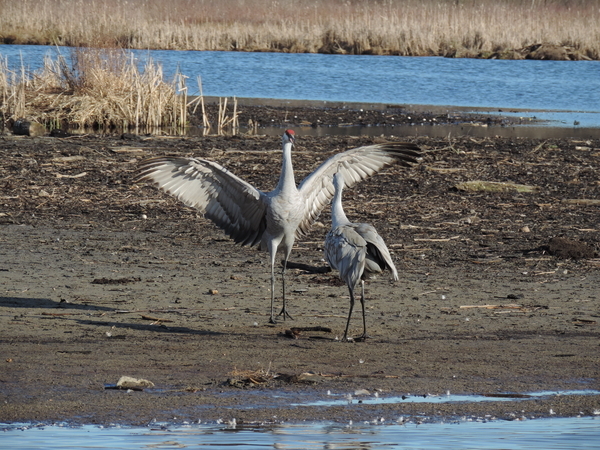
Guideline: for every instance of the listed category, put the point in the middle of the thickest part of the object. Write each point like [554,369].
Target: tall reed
[399,27]
[224,123]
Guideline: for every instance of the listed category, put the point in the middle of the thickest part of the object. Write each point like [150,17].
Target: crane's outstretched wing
[232,204]
[354,165]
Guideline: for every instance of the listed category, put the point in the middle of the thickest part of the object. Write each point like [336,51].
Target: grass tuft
[100,88]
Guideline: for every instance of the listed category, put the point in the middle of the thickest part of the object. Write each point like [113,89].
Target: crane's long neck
[287,183]
[338,217]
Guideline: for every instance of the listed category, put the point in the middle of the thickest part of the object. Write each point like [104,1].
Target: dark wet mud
[102,277]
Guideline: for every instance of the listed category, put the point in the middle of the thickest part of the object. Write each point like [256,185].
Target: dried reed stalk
[13,98]
[205,119]
[101,88]
[223,121]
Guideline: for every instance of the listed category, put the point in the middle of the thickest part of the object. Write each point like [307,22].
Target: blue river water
[522,434]
[567,92]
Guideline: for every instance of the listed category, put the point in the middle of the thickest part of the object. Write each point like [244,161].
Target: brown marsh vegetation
[454,28]
[104,89]
[99,88]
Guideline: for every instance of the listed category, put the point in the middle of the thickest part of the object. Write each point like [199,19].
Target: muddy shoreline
[103,277]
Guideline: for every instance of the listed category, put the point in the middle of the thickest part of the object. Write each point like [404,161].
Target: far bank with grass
[509,29]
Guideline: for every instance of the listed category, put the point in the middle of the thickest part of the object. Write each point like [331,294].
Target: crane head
[289,136]
[338,181]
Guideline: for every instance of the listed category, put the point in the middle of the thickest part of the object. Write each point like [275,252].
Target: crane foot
[362,338]
[285,314]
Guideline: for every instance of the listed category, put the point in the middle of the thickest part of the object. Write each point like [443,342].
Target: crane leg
[283,311]
[272,318]
[349,313]
[362,301]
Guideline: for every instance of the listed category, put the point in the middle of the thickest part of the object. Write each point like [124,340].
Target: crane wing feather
[231,203]
[346,251]
[354,165]
[378,255]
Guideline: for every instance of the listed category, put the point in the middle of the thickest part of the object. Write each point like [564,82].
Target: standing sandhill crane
[272,219]
[355,250]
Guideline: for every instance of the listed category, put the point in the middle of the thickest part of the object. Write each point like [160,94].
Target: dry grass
[399,27]
[252,377]
[224,122]
[100,88]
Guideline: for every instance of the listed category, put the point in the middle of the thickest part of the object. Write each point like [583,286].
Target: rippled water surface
[567,92]
[342,399]
[548,434]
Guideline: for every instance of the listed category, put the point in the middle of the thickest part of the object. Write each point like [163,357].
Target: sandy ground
[102,277]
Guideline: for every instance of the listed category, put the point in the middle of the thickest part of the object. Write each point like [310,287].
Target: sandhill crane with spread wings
[272,219]
[355,250]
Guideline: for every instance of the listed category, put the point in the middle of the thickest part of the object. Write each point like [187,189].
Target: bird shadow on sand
[155,328]
[64,311]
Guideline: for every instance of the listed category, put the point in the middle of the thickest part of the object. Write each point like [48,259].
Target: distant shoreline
[279,102]
[467,119]
[505,29]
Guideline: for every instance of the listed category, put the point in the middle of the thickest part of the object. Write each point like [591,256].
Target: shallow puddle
[364,397]
[558,433]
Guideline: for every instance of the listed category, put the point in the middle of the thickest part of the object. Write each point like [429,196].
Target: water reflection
[380,433]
